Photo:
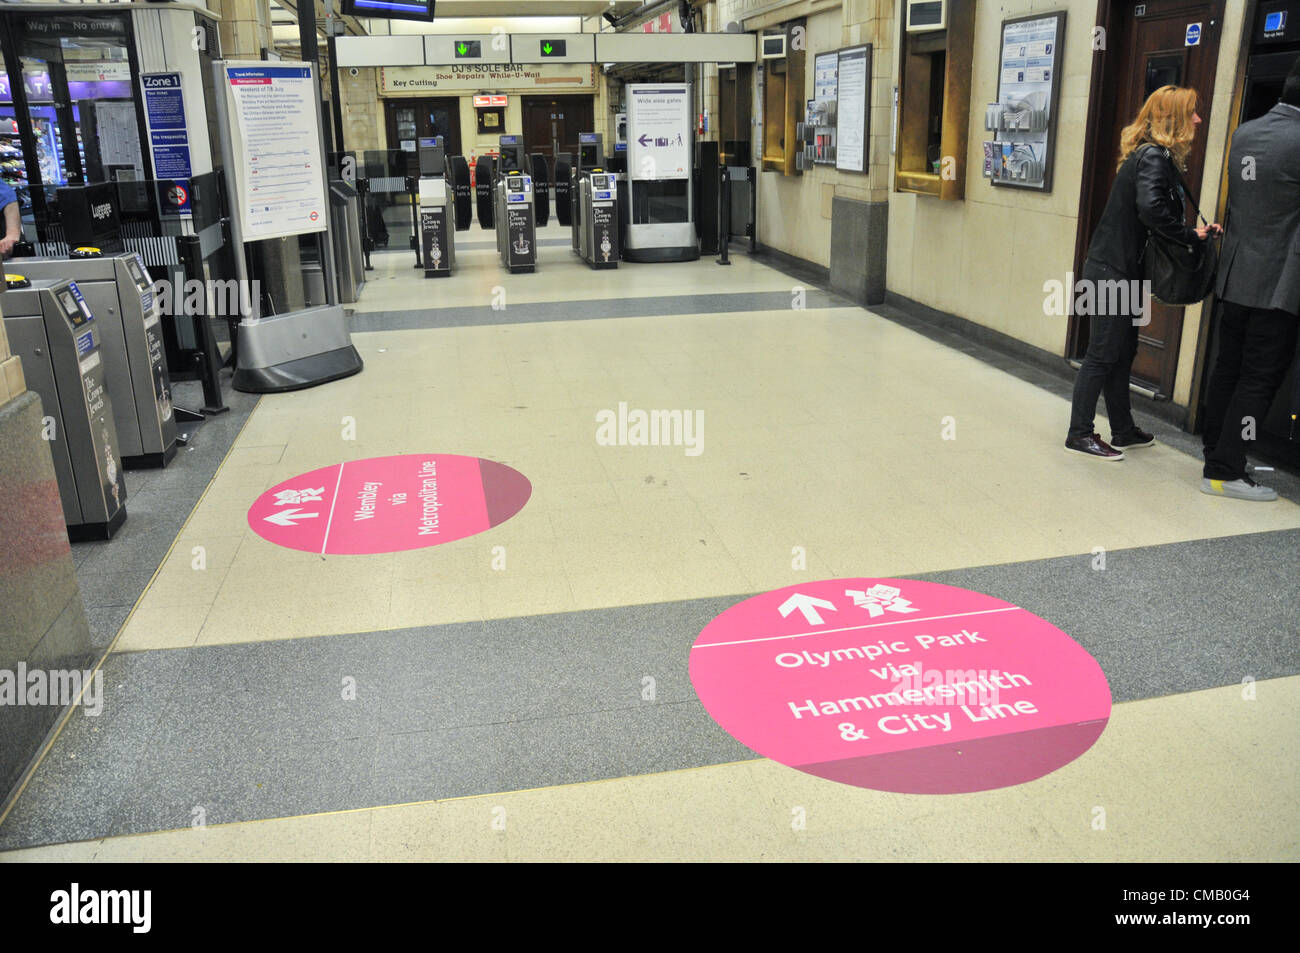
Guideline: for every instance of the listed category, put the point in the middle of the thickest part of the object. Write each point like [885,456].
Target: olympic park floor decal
[899,685]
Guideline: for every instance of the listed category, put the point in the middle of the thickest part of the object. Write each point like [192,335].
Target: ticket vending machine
[119,293]
[52,328]
[516,217]
[437,225]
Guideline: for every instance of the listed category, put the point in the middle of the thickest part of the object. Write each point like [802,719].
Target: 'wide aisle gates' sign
[658,131]
[899,685]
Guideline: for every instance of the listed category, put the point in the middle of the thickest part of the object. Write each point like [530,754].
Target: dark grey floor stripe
[265,730]
[589,310]
[113,574]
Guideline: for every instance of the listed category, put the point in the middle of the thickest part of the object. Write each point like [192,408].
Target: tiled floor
[500,715]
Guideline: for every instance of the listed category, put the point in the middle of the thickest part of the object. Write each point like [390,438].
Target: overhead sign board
[467,49]
[380,50]
[676,48]
[553,47]
[466,78]
[437,50]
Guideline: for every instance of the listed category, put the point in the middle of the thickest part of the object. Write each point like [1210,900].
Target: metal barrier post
[208,357]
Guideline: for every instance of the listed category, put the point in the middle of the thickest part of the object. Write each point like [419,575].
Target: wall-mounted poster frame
[821,111]
[853,109]
[1023,120]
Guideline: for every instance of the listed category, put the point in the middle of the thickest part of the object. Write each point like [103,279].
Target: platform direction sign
[389,504]
[900,685]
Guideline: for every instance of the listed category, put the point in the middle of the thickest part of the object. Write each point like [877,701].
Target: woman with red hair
[1146,197]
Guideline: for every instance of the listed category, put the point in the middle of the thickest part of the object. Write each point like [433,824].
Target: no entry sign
[389,504]
[899,685]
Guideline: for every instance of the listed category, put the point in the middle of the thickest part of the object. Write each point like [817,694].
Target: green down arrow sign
[553,47]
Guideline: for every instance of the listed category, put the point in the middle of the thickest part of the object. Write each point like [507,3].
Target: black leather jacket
[1146,197]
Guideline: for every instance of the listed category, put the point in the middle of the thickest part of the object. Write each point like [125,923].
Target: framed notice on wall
[821,109]
[1023,120]
[852,108]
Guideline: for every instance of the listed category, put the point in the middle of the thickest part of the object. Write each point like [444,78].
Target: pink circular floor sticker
[899,685]
[389,504]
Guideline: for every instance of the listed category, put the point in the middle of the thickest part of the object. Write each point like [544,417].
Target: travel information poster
[1023,118]
[281,183]
[852,118]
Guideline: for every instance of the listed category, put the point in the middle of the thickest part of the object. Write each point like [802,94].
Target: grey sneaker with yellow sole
[1242,489]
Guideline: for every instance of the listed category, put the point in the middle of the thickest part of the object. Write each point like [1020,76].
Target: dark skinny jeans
[1112,345]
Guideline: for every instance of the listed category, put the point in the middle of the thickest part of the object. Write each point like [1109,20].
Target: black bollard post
[724,215]
[413,197]
[363,197]
[208,356]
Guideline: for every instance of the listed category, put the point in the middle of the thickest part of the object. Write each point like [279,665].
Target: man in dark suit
[1258,286]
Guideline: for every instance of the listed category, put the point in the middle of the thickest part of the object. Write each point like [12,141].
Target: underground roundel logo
[389,504]
[899,685]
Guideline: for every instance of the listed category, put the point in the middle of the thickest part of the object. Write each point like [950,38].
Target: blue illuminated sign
[390,9]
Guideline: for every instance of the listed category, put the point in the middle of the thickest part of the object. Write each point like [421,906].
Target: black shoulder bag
[1177,273]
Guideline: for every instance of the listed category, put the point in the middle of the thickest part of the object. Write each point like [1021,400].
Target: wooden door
[1147,47]
[550,119]
[410,120]
[734,121]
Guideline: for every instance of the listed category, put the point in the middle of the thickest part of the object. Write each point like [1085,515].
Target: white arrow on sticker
[808,606]
[289,517]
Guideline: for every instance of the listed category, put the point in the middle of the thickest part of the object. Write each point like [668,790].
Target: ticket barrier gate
[119,293]
[52,328]
[515,212]
[593,216]
[596,219]
[437,210]
[588,158]
[349,263]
